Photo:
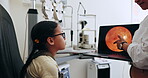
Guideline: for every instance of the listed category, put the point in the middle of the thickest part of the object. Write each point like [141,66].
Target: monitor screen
[109,34]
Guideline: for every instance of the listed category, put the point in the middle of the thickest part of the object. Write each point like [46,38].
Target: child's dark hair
[39,34]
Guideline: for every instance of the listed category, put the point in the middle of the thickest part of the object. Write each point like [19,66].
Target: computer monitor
[109,34]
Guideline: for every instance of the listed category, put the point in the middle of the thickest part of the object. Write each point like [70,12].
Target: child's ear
[50,40]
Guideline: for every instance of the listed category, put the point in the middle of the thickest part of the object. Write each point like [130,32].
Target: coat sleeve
[138,51]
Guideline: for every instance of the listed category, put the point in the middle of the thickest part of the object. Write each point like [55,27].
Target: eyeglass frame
[62,34]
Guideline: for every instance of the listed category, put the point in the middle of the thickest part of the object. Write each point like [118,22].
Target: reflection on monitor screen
[109,34]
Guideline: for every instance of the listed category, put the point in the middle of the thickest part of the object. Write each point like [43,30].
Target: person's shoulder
[45,61]
[42,64]
[44,58]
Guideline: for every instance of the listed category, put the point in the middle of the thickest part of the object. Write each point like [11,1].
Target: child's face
[59,39]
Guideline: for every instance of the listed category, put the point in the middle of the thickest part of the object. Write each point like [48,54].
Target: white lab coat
[138,49]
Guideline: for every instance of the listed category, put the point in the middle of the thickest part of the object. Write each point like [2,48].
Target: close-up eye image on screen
[109,34]
[112,36]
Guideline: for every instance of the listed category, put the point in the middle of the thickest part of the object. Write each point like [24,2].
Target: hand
[119,42]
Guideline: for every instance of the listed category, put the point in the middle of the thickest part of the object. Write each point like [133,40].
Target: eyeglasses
[63,35]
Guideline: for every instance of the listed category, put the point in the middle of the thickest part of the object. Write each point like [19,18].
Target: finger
[115,41]
[120,37]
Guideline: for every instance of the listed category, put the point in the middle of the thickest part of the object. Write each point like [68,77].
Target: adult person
[138,49]
[48,38]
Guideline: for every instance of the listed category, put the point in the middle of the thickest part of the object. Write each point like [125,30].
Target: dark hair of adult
[39,34]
